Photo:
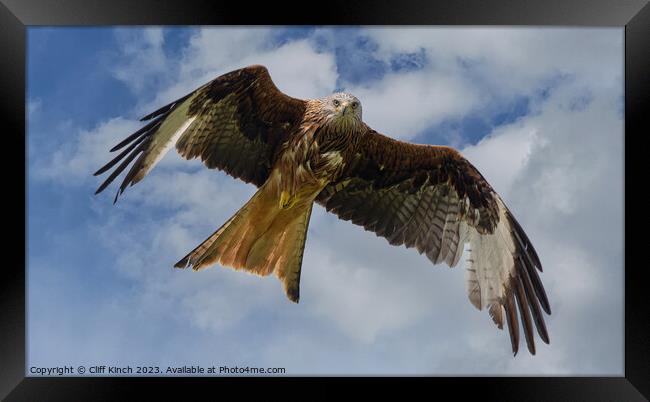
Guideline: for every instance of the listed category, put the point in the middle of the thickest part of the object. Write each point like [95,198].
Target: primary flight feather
[298,152]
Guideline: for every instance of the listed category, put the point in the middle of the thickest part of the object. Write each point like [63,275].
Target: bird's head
[342,109]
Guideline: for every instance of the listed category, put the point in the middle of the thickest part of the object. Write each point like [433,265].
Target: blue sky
[538,111]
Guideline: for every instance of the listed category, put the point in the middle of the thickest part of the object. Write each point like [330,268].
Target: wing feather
[433,199]
[511,317]
[234,123]
[524,312]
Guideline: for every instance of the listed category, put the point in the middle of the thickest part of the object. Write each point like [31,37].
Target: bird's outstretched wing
[235,123]
[433,199]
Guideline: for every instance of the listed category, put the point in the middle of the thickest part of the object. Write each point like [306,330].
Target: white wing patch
[490,262]
[170,143]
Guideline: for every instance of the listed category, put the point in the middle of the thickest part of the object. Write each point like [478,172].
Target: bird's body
[298,152]
[315,153]
[267,235]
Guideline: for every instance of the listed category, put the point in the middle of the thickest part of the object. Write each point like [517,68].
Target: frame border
[16,15]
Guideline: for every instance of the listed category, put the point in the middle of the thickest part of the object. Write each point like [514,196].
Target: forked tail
[261,238]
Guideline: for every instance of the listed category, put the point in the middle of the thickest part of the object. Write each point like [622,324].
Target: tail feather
[261,239]
[196,257]
[289,274]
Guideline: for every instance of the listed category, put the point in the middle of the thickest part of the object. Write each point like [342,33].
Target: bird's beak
[347,107]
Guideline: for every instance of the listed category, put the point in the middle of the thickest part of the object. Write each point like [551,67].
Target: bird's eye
[355,105]
[336,102]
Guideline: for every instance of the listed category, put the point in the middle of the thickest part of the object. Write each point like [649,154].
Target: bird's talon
[286,200]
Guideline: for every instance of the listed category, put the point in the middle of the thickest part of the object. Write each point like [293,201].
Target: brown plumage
[300,151]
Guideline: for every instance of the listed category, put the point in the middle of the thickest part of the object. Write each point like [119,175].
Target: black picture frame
[16,15]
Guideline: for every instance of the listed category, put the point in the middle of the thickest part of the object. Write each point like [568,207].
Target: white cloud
[143,58]
[363,300]
[215,51]
[33,106]
[84,154]
[403,105]
[515,141]
[513,59]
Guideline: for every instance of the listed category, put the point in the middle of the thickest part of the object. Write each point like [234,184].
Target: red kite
[300,151]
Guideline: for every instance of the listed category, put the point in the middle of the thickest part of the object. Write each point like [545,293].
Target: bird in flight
[298,152]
